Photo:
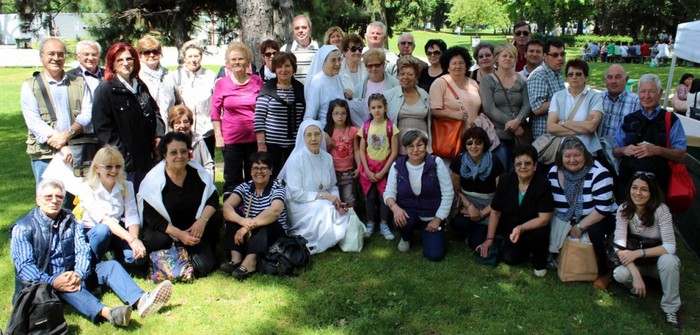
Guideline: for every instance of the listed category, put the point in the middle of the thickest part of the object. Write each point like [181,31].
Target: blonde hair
[330,31]
[507,48]
[248,54]
[374,53]
[108,154]
[148,42]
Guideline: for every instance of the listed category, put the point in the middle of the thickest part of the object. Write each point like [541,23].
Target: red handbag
[681,190]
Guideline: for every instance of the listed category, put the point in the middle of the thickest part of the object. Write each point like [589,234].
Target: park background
[380,290]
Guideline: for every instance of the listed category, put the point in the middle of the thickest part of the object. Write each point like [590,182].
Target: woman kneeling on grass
[520,212]
[255,217]
[644,216]
[419,193]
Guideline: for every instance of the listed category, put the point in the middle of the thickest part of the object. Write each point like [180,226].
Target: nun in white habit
[326,85]
[314,209]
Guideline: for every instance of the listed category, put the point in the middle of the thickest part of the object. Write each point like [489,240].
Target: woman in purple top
[233,114]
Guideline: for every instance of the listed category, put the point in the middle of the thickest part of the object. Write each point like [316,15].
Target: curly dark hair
[454,52]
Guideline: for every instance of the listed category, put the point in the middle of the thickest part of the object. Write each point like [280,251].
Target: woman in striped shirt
[583,202]
[255,217]
[279,109]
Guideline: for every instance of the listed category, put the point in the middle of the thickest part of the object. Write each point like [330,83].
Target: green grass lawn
[377,291]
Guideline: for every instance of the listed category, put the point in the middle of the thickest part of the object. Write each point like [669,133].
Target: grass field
[377,291]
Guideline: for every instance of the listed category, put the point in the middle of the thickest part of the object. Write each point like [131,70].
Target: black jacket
[130,122]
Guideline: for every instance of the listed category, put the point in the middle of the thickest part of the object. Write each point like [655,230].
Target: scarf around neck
[469,169]
[573,191]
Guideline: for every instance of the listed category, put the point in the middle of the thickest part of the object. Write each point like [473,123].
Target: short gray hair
[411,135]
[649,78]
[45,40]
[378,24]
[573,142]
[88,44]
[302,16]
[53,183]
[413,40]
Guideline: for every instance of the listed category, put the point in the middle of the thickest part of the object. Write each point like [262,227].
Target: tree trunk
[257,23]
[283,15]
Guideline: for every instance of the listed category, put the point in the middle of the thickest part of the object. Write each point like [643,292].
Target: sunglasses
[356,48]
[110,167]
[474,142]
[49,197]
[269,54]
[557,54]
[522,32]
[406,43]
[433,53]
[374,66]
[150,53]
[574,74]
[643,174]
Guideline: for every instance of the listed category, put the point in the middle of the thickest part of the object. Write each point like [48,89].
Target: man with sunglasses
[56,107]
[543,82]
[521,35]
[48,245]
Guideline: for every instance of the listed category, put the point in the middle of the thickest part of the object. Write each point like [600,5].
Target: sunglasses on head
[649,175]
[522,32]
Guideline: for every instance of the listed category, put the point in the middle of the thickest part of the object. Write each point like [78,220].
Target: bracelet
[644,253]
[204,218]
[578,226]
[133,239]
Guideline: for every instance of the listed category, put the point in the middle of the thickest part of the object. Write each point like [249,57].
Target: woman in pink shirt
[233,113]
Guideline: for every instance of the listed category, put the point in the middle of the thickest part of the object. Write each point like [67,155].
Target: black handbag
[84,148]
[634,242]
[287,256]
[694,110]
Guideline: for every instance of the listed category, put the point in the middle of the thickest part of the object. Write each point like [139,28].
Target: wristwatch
[72,132]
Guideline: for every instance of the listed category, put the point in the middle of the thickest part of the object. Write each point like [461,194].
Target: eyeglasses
[557,54]
[374,66]
[49,197]
[261,169]
[526,164]
[355,48]
[57,54]
[124,60]
[340,113]
[406,43]
[110,167]
[270,54]
[474,142]
[522,32]
[433,53]
[150,53]
[574,74]
[643,174]
[457,63]
[418,146]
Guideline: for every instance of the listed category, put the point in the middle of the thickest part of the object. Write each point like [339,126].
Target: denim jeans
[433,242]
[38,168]
[109,273]
[101,241]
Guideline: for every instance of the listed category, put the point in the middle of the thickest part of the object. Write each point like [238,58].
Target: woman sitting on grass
[644,216]
[255,217]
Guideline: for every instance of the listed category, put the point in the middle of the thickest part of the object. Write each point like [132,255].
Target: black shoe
[672,319]
[241,273]
[228,267]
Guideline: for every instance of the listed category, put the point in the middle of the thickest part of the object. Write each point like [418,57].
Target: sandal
[228,267]
[241,273]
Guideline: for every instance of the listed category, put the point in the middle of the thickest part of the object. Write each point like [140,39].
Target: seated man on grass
[47,245]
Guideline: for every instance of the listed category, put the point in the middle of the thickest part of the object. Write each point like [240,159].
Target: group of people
[616,52]
[317,119]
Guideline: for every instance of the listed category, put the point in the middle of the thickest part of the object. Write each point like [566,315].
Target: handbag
[577,261]
[171,264]
[694,111]
[287,256]
[634,242]
[84,148]
[681,190]
[547,145]
[354,236]
[446,132]
[482,121]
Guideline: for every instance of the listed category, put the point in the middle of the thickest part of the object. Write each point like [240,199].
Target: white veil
[300,145]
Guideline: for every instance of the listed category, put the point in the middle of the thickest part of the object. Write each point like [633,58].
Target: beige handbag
[577,261]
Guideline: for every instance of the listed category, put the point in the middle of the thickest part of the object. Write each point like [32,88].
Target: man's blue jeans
[109,273]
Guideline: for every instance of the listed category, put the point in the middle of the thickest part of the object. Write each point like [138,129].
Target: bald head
[615,80]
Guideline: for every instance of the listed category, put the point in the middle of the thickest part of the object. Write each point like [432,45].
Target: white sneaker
[384,230]
[152,301]
[370,230]
[540,273]
[404,245]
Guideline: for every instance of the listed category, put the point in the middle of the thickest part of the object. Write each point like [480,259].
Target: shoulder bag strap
[459,100]
[576,106]
[505,92]
[45,94]
[668,131]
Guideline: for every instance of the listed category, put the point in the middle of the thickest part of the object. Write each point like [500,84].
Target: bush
[580,40]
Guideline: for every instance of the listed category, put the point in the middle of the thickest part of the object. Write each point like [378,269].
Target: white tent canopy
[685,47]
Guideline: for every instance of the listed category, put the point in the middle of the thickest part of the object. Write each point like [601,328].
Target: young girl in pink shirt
[343,145]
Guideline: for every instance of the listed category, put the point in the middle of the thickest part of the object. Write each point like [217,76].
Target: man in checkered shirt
[543,82]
